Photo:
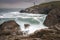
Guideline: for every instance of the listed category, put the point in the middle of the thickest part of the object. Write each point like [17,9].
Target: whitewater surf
[34,20]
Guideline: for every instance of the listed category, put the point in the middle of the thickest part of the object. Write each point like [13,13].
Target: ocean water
[35,20]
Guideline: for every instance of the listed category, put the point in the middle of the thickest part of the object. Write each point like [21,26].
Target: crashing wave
[35,20]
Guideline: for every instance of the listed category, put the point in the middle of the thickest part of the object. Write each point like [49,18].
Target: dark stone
[10,30]
[53,17]
[22,11]
[46,34]
[9,27]
[26,25]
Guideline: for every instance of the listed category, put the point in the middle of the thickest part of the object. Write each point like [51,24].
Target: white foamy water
[35,20]
[17,14]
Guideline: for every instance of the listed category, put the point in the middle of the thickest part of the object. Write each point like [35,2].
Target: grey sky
[6,1]
[20,3]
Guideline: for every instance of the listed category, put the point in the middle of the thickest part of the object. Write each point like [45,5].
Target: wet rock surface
[53,17]
[26,25]
[10,30]
[47,34]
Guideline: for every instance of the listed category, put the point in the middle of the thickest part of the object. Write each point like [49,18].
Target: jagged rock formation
[10,30]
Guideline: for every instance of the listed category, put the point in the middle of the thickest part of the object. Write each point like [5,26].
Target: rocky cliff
[53,17]
[43,8]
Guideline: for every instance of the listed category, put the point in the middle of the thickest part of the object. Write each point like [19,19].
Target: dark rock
[22,11]
[55,27]
[40,33]
[26,25]
[46,34]
[10,30]
[53,17]
[9,27]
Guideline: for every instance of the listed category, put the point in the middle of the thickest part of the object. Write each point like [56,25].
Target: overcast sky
[20,3]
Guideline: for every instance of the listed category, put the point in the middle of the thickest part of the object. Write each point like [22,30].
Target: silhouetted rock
[22,11]
[53,17]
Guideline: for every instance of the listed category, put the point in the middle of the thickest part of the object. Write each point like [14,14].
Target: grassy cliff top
[44,7]
[54,3]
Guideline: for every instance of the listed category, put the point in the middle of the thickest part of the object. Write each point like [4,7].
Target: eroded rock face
[10,30]
[53,17]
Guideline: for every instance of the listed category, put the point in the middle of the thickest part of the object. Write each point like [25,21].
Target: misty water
[35,20]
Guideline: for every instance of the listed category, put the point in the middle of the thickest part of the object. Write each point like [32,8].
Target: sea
[34,20]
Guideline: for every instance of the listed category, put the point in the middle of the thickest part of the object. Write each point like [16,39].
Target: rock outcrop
[53,17]
[26,25]
[22,11]
[43,8]
[10,30]
[51,33]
